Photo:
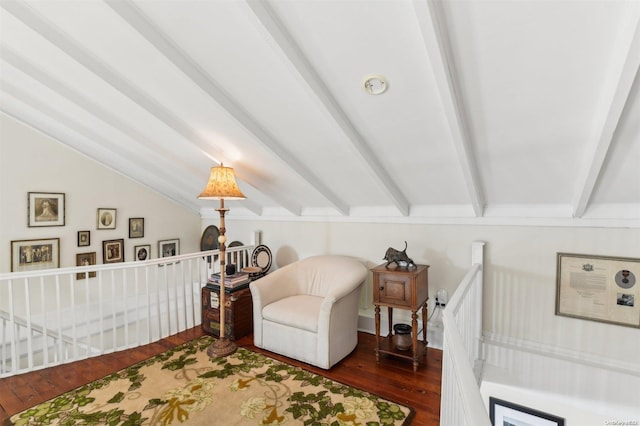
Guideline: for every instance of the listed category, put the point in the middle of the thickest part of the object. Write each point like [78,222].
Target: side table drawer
[394,289]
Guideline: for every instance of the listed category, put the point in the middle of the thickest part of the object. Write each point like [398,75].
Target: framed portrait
[505,413]
[168,248]
[106,218]
[113,251]
[598,288]
[84,238]
[85,259]
[136,227]
[142,252]
[45,209]
[31,255]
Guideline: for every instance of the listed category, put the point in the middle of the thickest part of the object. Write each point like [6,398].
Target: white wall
[33,162]
[520,285]
[520,270]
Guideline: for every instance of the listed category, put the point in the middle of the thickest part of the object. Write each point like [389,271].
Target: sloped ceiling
[494,109]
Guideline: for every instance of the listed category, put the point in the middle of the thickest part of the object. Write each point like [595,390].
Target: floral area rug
[185,386]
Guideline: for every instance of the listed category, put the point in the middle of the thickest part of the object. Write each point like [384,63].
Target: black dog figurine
[394,256]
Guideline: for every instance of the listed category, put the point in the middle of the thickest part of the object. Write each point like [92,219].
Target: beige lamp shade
[222,185]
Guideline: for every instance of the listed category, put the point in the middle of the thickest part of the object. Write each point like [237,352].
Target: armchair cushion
[308,310]
[299,311]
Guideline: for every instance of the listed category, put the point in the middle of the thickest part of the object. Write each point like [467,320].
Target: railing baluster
[73,325]
[461,401]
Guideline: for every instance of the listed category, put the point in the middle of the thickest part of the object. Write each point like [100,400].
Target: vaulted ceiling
[493,109]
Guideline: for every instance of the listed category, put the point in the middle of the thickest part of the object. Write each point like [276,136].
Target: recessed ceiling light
[374,84]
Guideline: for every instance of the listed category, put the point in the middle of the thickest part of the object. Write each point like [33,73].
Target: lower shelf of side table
[386,346]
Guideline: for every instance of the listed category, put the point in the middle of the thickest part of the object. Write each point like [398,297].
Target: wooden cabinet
[403,288]
[238,312]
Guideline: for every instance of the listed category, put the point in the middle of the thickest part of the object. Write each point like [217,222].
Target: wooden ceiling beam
[626,67]
[438,50]
[84,57]
[285,42]
[176,55]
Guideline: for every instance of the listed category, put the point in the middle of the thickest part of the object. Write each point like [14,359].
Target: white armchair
[308,310]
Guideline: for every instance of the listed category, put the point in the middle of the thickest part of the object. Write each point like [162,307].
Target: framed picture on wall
[168,248]
[84,238]
[113,251]
[31,255]
[85,259]
[106,218]
[598,288]
[45,209]
[142,252]
[136,227]
[505,413]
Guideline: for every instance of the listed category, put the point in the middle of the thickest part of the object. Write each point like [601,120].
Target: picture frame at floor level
[113,251]
[32,255]
[85,259]
[45,209]
[142,252]
[136,227]
[598,288]
[168,248]
[106,218]
[505,413]
[84,238]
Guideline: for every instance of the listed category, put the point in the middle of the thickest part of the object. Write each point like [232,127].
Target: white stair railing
[461,400]
[50,317]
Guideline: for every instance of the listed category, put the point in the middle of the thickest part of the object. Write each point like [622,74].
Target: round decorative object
[261,258]
[209,239]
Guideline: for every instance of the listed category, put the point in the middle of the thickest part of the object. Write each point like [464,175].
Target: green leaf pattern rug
[185,386]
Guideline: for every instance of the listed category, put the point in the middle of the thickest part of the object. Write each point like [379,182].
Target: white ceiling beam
[153,151]
[84,57]
[114,154]
[154,155]
[626,67]
[438,50]
[286,44]
[135,17]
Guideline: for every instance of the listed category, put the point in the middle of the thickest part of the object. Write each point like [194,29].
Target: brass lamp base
[221,348]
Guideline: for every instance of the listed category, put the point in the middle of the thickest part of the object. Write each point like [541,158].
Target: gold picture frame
[598,288]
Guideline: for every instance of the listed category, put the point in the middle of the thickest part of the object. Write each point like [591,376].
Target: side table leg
[425,317]
[414,336]
[377,316]
[390,316]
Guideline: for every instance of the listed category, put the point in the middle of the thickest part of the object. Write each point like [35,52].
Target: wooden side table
[403,288]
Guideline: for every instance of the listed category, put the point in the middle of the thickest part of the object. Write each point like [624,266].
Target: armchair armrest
[272,287]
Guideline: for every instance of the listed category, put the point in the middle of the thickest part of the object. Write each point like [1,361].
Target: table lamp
[222,185]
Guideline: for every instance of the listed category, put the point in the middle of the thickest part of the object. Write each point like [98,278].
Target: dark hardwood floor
[392,378]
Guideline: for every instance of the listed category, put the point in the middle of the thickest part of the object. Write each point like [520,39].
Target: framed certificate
[598,288]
